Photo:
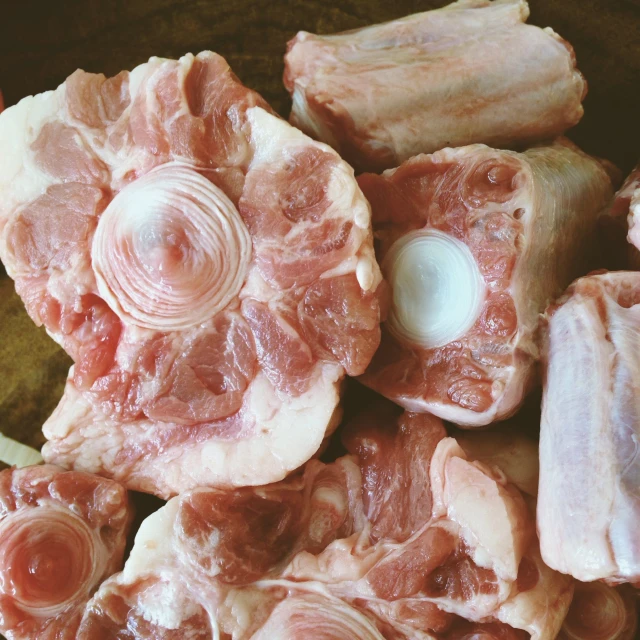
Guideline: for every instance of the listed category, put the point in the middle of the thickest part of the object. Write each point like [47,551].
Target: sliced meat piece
[384,93]
[208,267]
[588,502]
[299,557]
[207,547]
[601,612]
[61,534]
[475,243]
[492,515]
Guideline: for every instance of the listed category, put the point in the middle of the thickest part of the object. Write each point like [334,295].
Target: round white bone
[170,250]
[437,288]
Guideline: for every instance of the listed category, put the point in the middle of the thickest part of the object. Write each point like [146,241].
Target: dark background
[42,42]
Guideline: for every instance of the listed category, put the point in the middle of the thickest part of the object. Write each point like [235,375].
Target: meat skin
[588,503]
[470,72]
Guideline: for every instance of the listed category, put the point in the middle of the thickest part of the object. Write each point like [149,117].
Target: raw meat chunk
[475,243]
[599,612]
[406,537]
[61,534]
[470,72]
[208,267]
[589,502]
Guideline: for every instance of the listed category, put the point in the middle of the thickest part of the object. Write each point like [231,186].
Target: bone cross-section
[208,267]
[475,243]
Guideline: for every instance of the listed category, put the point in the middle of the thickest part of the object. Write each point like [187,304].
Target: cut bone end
[47,560]
[437,287]
[598,612]
[171,250]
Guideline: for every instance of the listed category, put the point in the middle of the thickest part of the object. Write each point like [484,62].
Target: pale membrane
[438,290]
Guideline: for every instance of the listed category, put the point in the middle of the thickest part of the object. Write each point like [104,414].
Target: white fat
[437,288]
[154,544]
[16,454]
[330,496]
[366,273]
[167,604]
[242,605]
[634,219]
[349,265]
[72,410]
[362,214]
[288,433]
[269,134]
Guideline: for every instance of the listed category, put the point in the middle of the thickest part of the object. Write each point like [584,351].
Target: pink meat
[61,534]
[588,505]
[208,267]
[528,220]
[384,93]
[319,555]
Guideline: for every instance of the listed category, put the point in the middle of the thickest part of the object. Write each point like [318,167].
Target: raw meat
[599,612]
[470,72]
[589,503]
[208,267]
[404,538]
[61,534]
[475,243]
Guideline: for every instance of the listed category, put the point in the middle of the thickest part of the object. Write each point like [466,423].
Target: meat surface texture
[405,537]
[61,534]
[589,505]
[470,72]
[475,243]
[208,267]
